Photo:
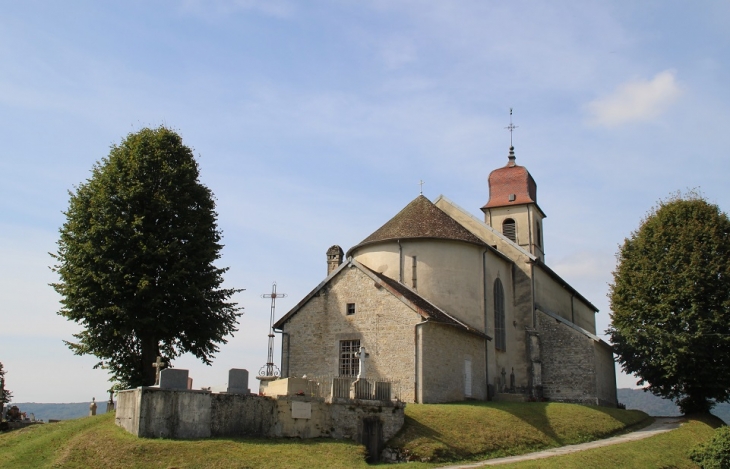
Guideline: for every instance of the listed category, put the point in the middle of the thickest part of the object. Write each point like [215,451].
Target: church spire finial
[511,127]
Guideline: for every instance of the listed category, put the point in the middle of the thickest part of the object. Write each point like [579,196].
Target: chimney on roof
[512,157]
[334,258]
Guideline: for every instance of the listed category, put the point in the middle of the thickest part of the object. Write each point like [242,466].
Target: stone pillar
[535,365]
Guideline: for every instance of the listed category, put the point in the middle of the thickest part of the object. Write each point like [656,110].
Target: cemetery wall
[180,414]
[241,415]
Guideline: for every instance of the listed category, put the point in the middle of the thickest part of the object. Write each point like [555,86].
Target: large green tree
[136,260]
[670,302]
[5,395]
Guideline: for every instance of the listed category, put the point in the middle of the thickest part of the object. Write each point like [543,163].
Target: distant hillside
[67,411]
[658,407]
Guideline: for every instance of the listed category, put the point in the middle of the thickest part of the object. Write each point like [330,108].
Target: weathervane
[270,370]
[511,127]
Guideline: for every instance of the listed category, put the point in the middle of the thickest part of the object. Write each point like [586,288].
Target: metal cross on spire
[421,184]
[511,127]
[270,370]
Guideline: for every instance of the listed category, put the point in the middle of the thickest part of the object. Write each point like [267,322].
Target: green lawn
[469,431]
[444,432]
[667,450]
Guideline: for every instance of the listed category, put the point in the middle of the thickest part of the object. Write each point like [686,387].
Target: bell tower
[512,207]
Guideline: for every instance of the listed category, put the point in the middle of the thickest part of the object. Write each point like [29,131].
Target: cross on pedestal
[361,356]
[270,370]
[159,365]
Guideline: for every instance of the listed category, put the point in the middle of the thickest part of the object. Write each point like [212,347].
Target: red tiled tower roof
[511,182]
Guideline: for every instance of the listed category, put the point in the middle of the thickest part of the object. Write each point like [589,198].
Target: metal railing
[346,388]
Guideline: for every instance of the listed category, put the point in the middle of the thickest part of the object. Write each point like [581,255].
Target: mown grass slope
[667,450]
[468,431]
[433,432]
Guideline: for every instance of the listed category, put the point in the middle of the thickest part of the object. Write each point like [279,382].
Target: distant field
[66,411]
[658,407]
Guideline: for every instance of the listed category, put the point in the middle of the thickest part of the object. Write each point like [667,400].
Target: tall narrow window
[508,229]
[538,235]
[415,273]
[349,364]
[500,339]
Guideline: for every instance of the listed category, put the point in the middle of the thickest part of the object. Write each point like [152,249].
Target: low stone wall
[153,412]
[165,413]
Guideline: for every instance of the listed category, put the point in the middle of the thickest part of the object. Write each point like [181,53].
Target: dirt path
[660,425]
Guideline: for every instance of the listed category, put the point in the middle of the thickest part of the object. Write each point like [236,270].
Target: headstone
[174,378]
[512,380]
[190,383]
[238,381]
[504,381]
[110,402]
[92,407]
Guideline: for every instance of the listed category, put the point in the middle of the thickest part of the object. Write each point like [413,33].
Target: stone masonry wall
[383,324]
[445,349]
[182,414]
[568,362]
[241,415]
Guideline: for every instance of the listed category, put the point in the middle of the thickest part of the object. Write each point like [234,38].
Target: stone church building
[454,307]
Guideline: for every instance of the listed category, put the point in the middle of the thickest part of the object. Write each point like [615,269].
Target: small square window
[350,308]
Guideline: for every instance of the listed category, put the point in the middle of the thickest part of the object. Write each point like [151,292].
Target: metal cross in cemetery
[271,370]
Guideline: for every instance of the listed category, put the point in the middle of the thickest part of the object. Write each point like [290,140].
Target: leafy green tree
[136,260]
[670,299]
[5,395]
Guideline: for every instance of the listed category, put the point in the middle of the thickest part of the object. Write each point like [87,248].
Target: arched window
[500,339]
[508,229]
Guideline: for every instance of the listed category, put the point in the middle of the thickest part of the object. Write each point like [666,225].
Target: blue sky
[314,122]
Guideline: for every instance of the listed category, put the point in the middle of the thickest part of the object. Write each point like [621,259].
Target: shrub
[715,453]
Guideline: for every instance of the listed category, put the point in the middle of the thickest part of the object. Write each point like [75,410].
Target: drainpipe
[400,262]
[418,378]
[486,341]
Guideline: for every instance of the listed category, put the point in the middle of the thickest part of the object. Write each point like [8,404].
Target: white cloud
[634,101]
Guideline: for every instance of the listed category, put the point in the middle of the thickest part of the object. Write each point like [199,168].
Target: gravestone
[92,407]
[238,381]
[190,383]
[174,378]
[110,402]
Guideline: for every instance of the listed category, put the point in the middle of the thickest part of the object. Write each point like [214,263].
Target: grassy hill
[432,432]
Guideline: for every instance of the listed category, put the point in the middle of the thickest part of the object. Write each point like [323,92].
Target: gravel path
[660,425]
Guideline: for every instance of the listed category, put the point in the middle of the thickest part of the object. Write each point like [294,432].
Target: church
[454,307]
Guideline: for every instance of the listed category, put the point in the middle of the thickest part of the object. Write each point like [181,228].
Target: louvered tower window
[500,336]
[508,229]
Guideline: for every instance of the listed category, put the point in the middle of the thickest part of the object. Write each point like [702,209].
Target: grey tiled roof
[421,219]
